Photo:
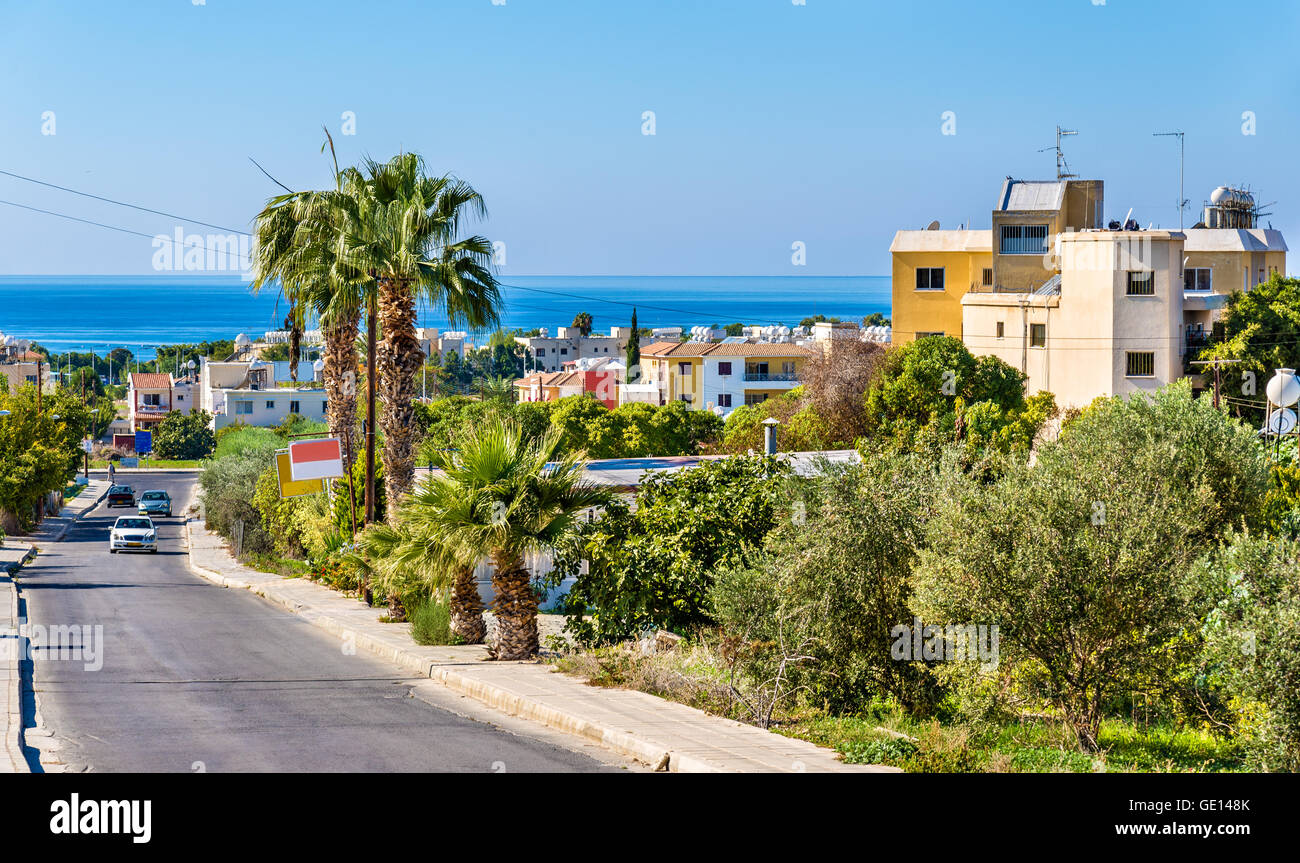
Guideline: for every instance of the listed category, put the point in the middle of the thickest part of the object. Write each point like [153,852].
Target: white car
[133,533]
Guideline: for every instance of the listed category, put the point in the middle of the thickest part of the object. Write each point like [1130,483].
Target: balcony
[764,377]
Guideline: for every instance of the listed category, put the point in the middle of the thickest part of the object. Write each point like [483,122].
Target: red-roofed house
[588,375]
[150,396]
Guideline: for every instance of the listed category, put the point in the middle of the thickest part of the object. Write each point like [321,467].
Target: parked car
[156,503]
[133,533]
[121,495]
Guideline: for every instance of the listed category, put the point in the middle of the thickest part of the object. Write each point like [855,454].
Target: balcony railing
[759,377]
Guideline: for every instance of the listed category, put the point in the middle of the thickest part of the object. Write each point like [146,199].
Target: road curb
[13,742]
[512,703]
[79,516]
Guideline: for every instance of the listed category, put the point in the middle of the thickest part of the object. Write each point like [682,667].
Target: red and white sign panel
[316,459]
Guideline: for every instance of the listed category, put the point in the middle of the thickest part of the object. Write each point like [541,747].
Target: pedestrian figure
[111,472]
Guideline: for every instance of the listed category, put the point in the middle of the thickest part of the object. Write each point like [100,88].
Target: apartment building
[1112,323]
[717,376]
[933,269]
[23,368]
[439,344]
[1081,309]
[549,353]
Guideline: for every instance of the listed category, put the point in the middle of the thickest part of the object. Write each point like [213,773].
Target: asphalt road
[199,677]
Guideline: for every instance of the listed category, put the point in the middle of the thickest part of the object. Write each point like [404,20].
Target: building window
[927,335]
[988,277]
[724,370]
[295,407]
[787,368]
[1198,279]
[929,278]
[541,352]
[243,408]
[324,407]
[1002,329]
[180,398]
[683,368]
[1140,364]
[564,352]
[1023,239]
[1038,335]
[686,397]
[724,400]
[270,404]
[153,400]
[755,398]
[1141,283]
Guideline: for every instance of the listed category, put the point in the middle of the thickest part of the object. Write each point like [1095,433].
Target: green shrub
[652,566]
[228,486]
[184,435]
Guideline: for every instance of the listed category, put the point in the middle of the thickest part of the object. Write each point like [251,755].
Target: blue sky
[775,122]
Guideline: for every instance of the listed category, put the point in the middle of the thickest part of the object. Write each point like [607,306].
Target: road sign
[316,459]
[290,487]
[143,442]
[130,461]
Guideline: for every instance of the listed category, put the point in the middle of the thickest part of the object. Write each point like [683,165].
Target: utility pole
[1182,202]
[372,313]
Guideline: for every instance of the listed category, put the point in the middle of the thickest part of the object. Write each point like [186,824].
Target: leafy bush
[1083,558]
[229,484]
[653,566]
[834,582]
[184,435]
[1253,643]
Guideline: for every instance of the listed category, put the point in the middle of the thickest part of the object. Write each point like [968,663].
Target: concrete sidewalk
[660,733]
[13,555]
[53,527]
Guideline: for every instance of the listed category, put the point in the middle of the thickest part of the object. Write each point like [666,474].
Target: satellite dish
[1282,422]
[1283,388]
[933,226]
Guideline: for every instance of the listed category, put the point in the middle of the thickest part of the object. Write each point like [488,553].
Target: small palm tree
[504,494]
[403,557]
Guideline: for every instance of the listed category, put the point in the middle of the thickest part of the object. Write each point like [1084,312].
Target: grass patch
[431,623]
[882,734]
[272,565]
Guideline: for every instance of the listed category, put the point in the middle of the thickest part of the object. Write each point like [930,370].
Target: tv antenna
[1062,168]
[1182,202]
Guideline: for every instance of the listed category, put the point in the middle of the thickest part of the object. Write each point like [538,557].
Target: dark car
[121,495]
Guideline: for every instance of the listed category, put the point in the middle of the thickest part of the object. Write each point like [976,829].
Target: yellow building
[718,376]
[933,269]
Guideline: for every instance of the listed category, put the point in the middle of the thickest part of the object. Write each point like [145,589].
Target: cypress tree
[634,352]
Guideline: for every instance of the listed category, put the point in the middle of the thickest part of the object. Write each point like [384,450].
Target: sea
[141,313]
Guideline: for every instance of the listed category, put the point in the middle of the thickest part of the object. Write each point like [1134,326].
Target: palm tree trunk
[467,608]
[340,386]
[399,360]
[396,609]
[515,609]
[295,345]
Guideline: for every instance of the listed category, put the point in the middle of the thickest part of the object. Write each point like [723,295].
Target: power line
[120,229]
[120,203]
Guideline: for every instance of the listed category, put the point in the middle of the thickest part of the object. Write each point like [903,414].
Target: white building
[248,391]
[550,353]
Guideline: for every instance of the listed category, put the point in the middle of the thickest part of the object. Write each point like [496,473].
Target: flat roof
[943,241]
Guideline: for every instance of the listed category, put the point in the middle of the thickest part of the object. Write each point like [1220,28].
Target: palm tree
[295,248]
[582,320]
[504,494]
[400,226]
[408,554]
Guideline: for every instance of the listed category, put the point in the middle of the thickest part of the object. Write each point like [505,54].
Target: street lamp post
[90,435]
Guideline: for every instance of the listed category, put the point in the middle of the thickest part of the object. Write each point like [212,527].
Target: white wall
[311,404]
